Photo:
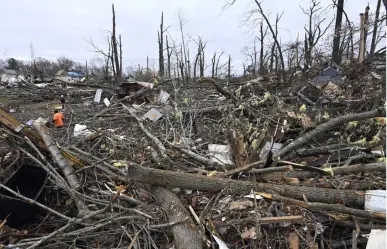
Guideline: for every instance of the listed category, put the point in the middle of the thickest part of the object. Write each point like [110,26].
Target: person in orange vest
[58,119]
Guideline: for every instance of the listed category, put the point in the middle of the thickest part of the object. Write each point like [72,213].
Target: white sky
[58,27]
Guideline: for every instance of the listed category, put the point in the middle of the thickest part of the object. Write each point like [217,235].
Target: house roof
[74,74]
[60,72]
[328,75]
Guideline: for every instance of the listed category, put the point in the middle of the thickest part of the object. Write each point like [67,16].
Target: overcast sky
[59,28]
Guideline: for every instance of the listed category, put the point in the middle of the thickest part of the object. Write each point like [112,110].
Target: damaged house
[128,88]
[11,76]
[324,87]
[68,76]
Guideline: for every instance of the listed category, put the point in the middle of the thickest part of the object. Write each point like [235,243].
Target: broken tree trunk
[380,112]
[184,233]
[70,176]
[205,183]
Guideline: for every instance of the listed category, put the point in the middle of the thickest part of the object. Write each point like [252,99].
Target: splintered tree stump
[184,233]
[204,183]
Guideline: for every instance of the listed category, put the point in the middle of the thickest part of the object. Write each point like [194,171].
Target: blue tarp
[74,74]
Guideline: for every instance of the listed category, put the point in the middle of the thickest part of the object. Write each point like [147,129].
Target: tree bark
[71,177]
[336,39]
[184,233]
[204,183]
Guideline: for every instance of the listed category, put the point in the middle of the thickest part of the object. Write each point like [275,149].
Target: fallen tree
[183,232]
[151,176]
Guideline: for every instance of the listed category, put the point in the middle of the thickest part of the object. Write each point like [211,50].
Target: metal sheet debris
[221,153]
[375,200]
[153,115]
[98,95]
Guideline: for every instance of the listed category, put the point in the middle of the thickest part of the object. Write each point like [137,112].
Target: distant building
[11,76]
[70,77]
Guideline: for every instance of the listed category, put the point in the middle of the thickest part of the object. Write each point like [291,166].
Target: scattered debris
[98,95]
[153,115]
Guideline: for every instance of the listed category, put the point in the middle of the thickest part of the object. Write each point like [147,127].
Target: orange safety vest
[58,119]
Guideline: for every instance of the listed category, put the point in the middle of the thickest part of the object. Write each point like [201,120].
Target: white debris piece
[106,102]
[145,84]
[266,149]
[81,130]
[221,153]
[221,243]
[163,97]
[153,115]
[253,196]
[377,239]
[375,201]
[41,85]
[98,95]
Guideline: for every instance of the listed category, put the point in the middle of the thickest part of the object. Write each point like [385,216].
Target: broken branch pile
[210,164]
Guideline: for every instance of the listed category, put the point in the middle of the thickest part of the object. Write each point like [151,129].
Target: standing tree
[261,53]
[275,37]
[169,56]
[314,31]
[12,64]
[160,35]
[115,57]
[183,51]
[375,29]
[65,63]
[336,56]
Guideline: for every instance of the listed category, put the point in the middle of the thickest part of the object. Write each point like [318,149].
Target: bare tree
[107,56]
[336,57]
[169,55]
[375,29]
[273,47]
[314,31]
[32,52]
[116,64]
[183,65]
[261,54]
[199,58]
[160,35]
[217,64]
[213,65]
[229,69]
[366,19]
[275,36]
